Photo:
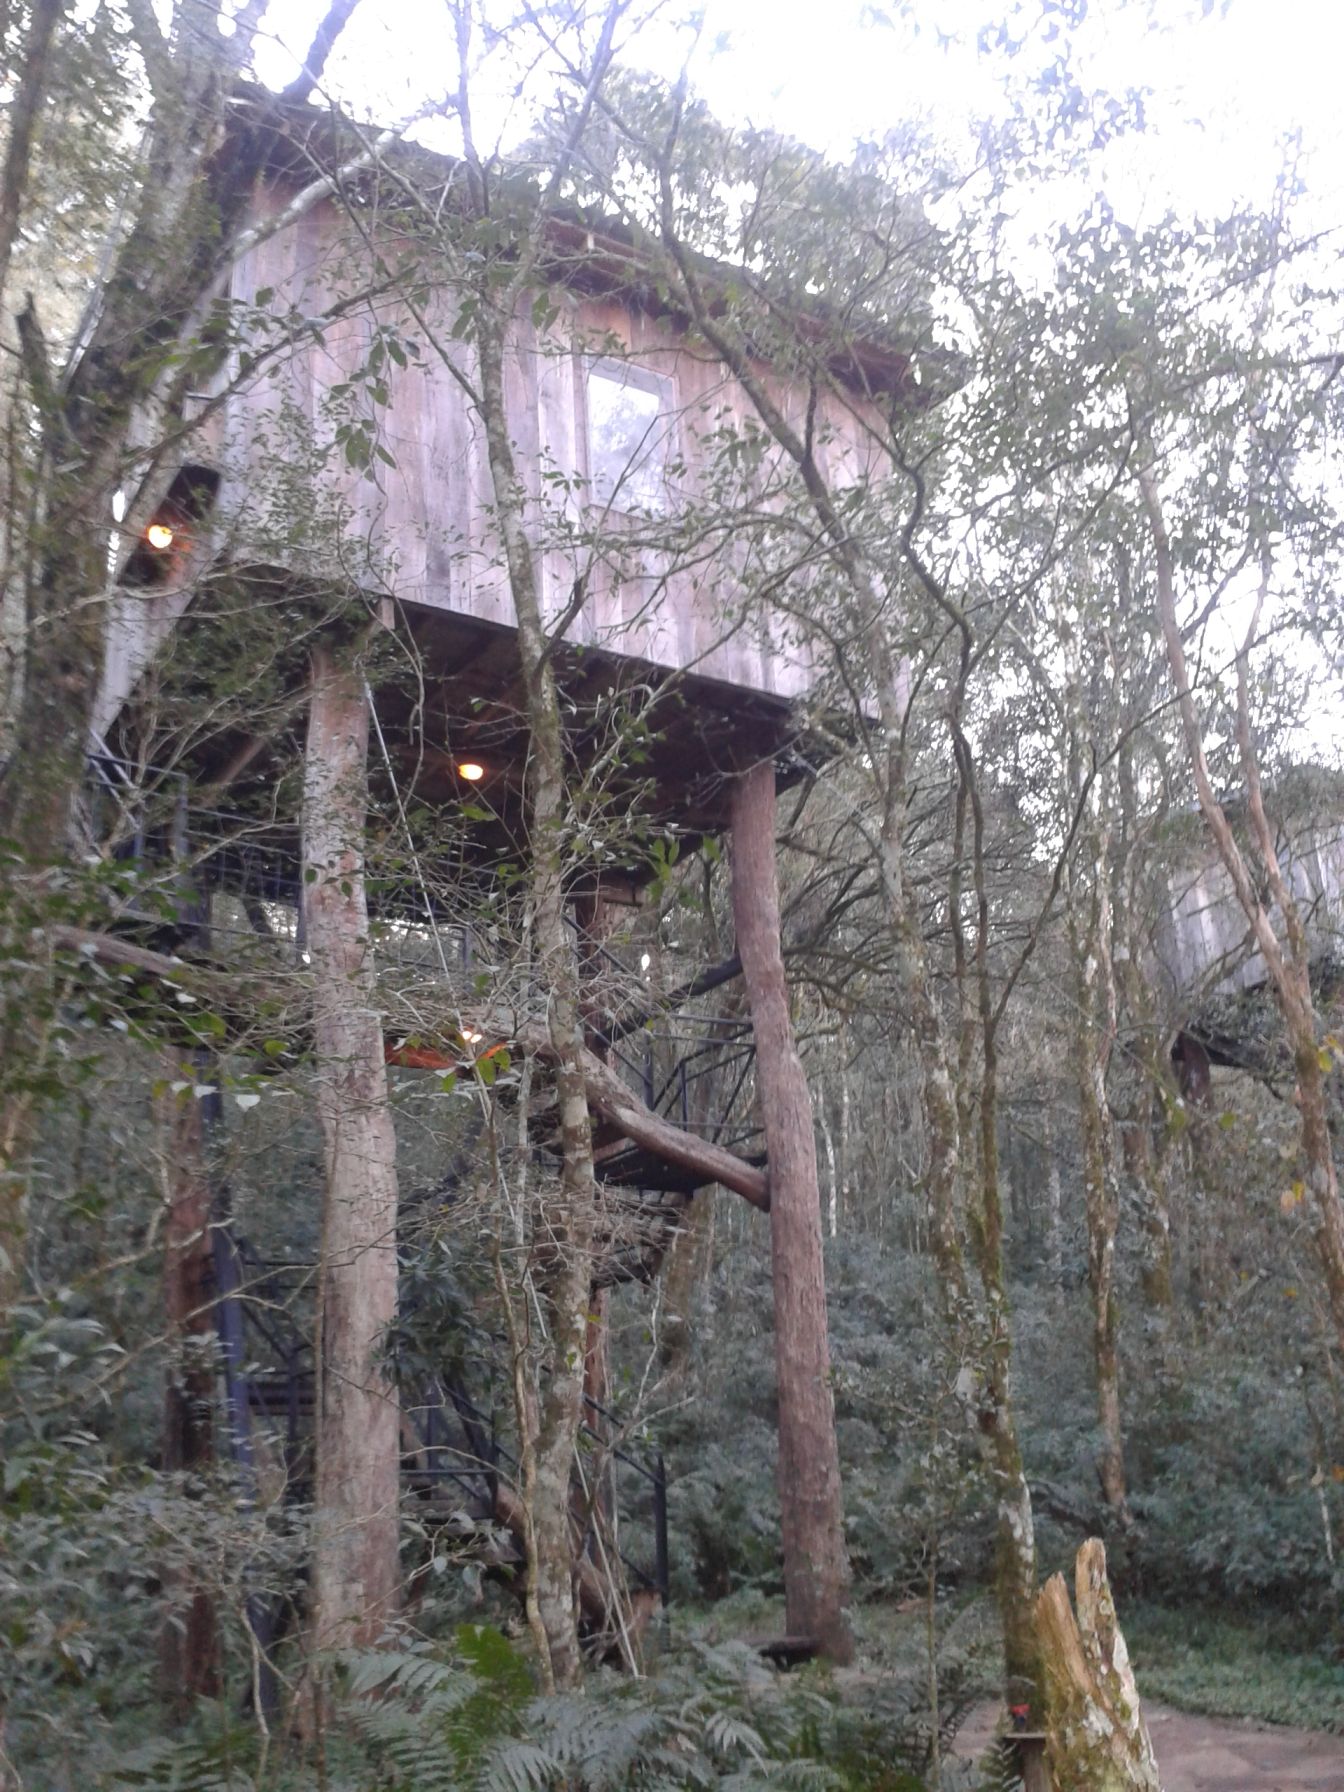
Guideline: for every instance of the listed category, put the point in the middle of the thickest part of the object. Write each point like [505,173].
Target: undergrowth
[1225,1666]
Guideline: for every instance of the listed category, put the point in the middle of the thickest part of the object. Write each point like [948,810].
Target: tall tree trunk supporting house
[1097,1740]
[188,1641]
[816,1567]
[356,1574]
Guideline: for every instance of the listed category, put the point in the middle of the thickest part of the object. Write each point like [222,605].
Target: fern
[417,1719]
[191,1765]
[517,1766]
[999,1770]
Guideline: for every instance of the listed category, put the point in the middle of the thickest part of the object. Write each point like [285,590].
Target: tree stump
[1097,1740]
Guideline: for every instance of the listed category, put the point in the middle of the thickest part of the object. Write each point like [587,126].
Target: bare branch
[325,39]
[23,113]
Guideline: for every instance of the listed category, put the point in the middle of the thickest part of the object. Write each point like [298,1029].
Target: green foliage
[467,1720]
[717,1717]
[219,1756]
[1204,1659]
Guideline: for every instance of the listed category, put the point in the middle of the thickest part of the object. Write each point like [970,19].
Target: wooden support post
[816,1567]
[356,1575]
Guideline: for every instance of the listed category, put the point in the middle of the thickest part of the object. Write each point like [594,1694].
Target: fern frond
[517,1766]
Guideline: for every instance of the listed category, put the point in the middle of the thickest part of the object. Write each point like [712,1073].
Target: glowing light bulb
[470,770]
[159,535]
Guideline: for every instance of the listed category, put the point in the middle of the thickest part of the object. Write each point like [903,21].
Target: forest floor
[1212,1754]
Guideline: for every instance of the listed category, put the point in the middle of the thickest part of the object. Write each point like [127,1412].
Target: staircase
[457,1472]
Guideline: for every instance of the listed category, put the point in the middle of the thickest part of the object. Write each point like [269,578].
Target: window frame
[661,386]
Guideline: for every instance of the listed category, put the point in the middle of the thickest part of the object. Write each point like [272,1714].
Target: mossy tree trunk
[568,1222]
[1090,926]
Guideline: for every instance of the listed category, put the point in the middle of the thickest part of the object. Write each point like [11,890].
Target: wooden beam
[618,1104]
[607,1094]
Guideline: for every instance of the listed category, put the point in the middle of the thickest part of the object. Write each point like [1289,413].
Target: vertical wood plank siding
[422,529]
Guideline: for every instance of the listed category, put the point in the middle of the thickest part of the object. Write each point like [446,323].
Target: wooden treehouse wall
[421,529]
[1202,935]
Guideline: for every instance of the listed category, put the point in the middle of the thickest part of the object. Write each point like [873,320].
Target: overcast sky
[1228,86]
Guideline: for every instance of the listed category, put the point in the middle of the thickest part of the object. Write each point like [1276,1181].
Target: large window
[630,436]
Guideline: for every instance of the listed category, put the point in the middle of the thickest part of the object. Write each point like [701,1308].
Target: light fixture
[159,536]
[470,770]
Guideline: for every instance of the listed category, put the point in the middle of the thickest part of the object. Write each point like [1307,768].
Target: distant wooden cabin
[1202,940]
[345,454]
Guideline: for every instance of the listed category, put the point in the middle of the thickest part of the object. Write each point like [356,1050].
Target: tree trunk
[188,1641]
[685,1268]
[1286,961]
[1097,1740]
[356,1573]
[1148,1171]
[1054,1223]
[1100,1201]
[1091,938]
[1152,1092]
[570,1215]
[816,1567]
[1100,1197]
[982,1338]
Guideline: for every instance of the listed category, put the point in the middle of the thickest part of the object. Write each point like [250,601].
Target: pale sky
[1227,88]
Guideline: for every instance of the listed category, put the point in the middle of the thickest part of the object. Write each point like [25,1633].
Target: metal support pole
[661,1568]
[233,1355]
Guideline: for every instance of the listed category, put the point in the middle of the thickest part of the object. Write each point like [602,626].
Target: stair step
[787,1651]
[628,1165]
[272,1398]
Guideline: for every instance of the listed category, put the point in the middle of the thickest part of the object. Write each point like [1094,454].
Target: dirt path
[1212,1754]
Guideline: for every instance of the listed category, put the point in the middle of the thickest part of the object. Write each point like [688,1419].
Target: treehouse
[341,447]
[1211,976]
[337,479]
